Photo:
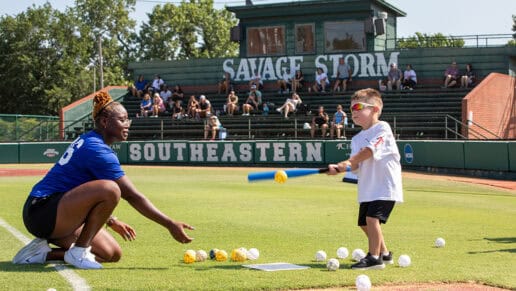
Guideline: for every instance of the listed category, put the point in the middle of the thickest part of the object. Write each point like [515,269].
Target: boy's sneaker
[387,259]
[369,263]
[81,258]
[34,252]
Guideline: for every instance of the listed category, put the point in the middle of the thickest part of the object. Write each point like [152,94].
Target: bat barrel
[258,176]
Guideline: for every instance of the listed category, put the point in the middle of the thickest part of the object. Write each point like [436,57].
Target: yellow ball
[238,255]
[189,256]
[221,255]
[280,177]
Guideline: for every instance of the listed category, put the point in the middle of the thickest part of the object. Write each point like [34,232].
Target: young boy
[376,160]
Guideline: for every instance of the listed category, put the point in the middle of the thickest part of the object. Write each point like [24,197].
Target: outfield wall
[490,156]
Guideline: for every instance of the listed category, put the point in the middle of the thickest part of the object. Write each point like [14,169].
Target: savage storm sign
[269,68]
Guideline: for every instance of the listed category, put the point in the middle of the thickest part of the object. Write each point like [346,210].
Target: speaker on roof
[369,25]
[235,33]
[379,26]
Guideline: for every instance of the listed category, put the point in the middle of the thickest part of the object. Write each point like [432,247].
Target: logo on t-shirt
[50,153]
[409,153]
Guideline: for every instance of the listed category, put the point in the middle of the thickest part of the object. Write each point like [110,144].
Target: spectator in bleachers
[225,84]
[158,106]
[343,76]
[320,120]
[232,103]
[157,83]
[338,123]
[204,108]
[298,81]
[285,83]
[213,125]
[409,78]
[166,95]
[192,107]
[321,81]
[394,78]
[145,105]
[469,77]
[451,76]
[290,105]
[139,86]
[250,104]
[256,80]
[177,94]
[177,111]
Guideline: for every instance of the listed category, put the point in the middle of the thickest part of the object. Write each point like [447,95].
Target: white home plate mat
[276,267]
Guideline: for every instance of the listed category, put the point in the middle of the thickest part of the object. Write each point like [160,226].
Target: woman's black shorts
[39,214]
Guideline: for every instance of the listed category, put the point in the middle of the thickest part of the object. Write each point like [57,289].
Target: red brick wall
[493,106]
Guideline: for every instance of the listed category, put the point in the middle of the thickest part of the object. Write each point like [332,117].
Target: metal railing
[477,134]
[469,41]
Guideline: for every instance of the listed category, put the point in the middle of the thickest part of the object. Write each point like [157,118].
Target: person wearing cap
[253,101]
[74,200]
[204,107]
[213,125]
[394,78]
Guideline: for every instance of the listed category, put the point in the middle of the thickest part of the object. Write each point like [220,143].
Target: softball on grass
[440,242]
[357,255]
[253,254]
[221,255]
[363,283]
[342,253]
[404,261]
[201,256]
[320,256]
[280,177]
[332,264]
[238,255]
[189,256]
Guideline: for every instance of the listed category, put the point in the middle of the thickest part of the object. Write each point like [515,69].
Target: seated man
[204,107]
[394,78]
[320,120]
[343,76]
[138,88]
[339,122]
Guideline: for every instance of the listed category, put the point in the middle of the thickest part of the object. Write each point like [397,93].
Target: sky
[449,17]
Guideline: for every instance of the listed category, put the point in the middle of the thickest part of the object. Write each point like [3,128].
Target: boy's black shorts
[380,209]
[39,214]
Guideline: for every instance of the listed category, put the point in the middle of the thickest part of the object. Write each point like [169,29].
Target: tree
[193,29]
[45,53]
[512,42]
[41,61]
[420,40]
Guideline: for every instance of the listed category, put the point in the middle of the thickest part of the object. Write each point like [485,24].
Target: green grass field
[287,223]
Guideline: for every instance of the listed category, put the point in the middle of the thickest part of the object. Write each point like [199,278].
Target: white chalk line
[78,283]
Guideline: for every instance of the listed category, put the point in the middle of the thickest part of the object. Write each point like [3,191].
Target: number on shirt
[76,144]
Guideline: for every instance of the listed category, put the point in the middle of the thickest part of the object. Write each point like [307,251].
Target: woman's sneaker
[387,259]
[369,263]
[81,258]
[34,252]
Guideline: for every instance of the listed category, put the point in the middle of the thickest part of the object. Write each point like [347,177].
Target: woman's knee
[111,190]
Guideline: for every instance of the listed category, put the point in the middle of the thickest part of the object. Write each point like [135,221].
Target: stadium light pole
[101,66]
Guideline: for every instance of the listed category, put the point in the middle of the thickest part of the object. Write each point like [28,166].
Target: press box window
[266,41]
[305,43]
[344,36]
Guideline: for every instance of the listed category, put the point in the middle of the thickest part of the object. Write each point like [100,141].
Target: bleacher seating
[418,114]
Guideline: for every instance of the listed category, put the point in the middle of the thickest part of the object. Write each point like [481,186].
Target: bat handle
[324,170]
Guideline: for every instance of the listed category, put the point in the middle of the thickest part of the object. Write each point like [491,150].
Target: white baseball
[404,261]
[253,254]
[320,256]
[357,255]
[440,242]
[363,283]
[332,264]
[342,253]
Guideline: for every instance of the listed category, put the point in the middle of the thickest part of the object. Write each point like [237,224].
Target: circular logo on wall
[409,153]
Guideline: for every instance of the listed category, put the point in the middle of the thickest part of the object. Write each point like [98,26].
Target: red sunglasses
[359,106]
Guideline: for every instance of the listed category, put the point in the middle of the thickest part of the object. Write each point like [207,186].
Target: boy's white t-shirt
[380,175]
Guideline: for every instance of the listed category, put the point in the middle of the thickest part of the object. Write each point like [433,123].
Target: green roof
[301,8]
